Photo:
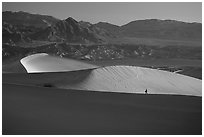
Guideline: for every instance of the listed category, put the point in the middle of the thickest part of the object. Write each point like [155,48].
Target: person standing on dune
[146,91]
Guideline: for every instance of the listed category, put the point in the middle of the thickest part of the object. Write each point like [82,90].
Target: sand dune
[73,105]
[128,79]
[37,110]
[43,62]
[131,79]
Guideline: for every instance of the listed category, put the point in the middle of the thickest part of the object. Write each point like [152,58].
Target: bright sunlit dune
[131,79]
[128,79]
[43,62]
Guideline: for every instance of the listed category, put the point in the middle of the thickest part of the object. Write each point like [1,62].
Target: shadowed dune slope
[38,110]
[13,67]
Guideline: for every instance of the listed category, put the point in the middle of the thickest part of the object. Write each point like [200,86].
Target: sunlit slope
[136,80]
[43,62]
[128,79]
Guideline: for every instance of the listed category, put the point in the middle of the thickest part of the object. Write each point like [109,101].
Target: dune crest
[130,79]
[42,62]
[126,79]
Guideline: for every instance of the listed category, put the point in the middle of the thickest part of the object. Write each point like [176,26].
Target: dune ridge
[42,62]
[131,79]
[128,79]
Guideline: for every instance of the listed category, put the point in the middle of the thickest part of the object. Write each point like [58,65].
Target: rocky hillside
[158,29]
[47,28]
[26,19]
[69,30]
[83,40]
[163,29]
[12,35]
[104,52]
[112,29]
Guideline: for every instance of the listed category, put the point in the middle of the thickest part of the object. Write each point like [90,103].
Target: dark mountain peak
[101,22]
[71,20]
[105,23]
[107,26]
[68,25]
[169,20]
[22,12]
[85,24]
[145,21]
[111,29]
[70,30]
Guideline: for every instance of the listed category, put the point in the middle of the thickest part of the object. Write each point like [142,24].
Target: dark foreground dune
[40,110]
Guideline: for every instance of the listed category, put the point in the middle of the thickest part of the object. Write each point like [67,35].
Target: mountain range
[26,27]
[24,34]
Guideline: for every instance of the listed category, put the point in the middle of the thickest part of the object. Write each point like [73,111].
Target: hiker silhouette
[146,91]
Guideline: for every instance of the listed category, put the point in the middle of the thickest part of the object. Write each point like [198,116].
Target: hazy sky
[116,13]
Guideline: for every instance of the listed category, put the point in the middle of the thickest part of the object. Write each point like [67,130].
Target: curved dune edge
[42,62]
[130,79]
[124,79]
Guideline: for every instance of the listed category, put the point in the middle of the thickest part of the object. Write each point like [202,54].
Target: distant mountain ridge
[111,28]
[48,28]
[163,29]
[69,30]
[155,28]
[28,19]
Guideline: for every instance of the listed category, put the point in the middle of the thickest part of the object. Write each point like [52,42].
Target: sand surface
[43,62]
[60,96]
[131,79]
[126,79]
[38,110]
